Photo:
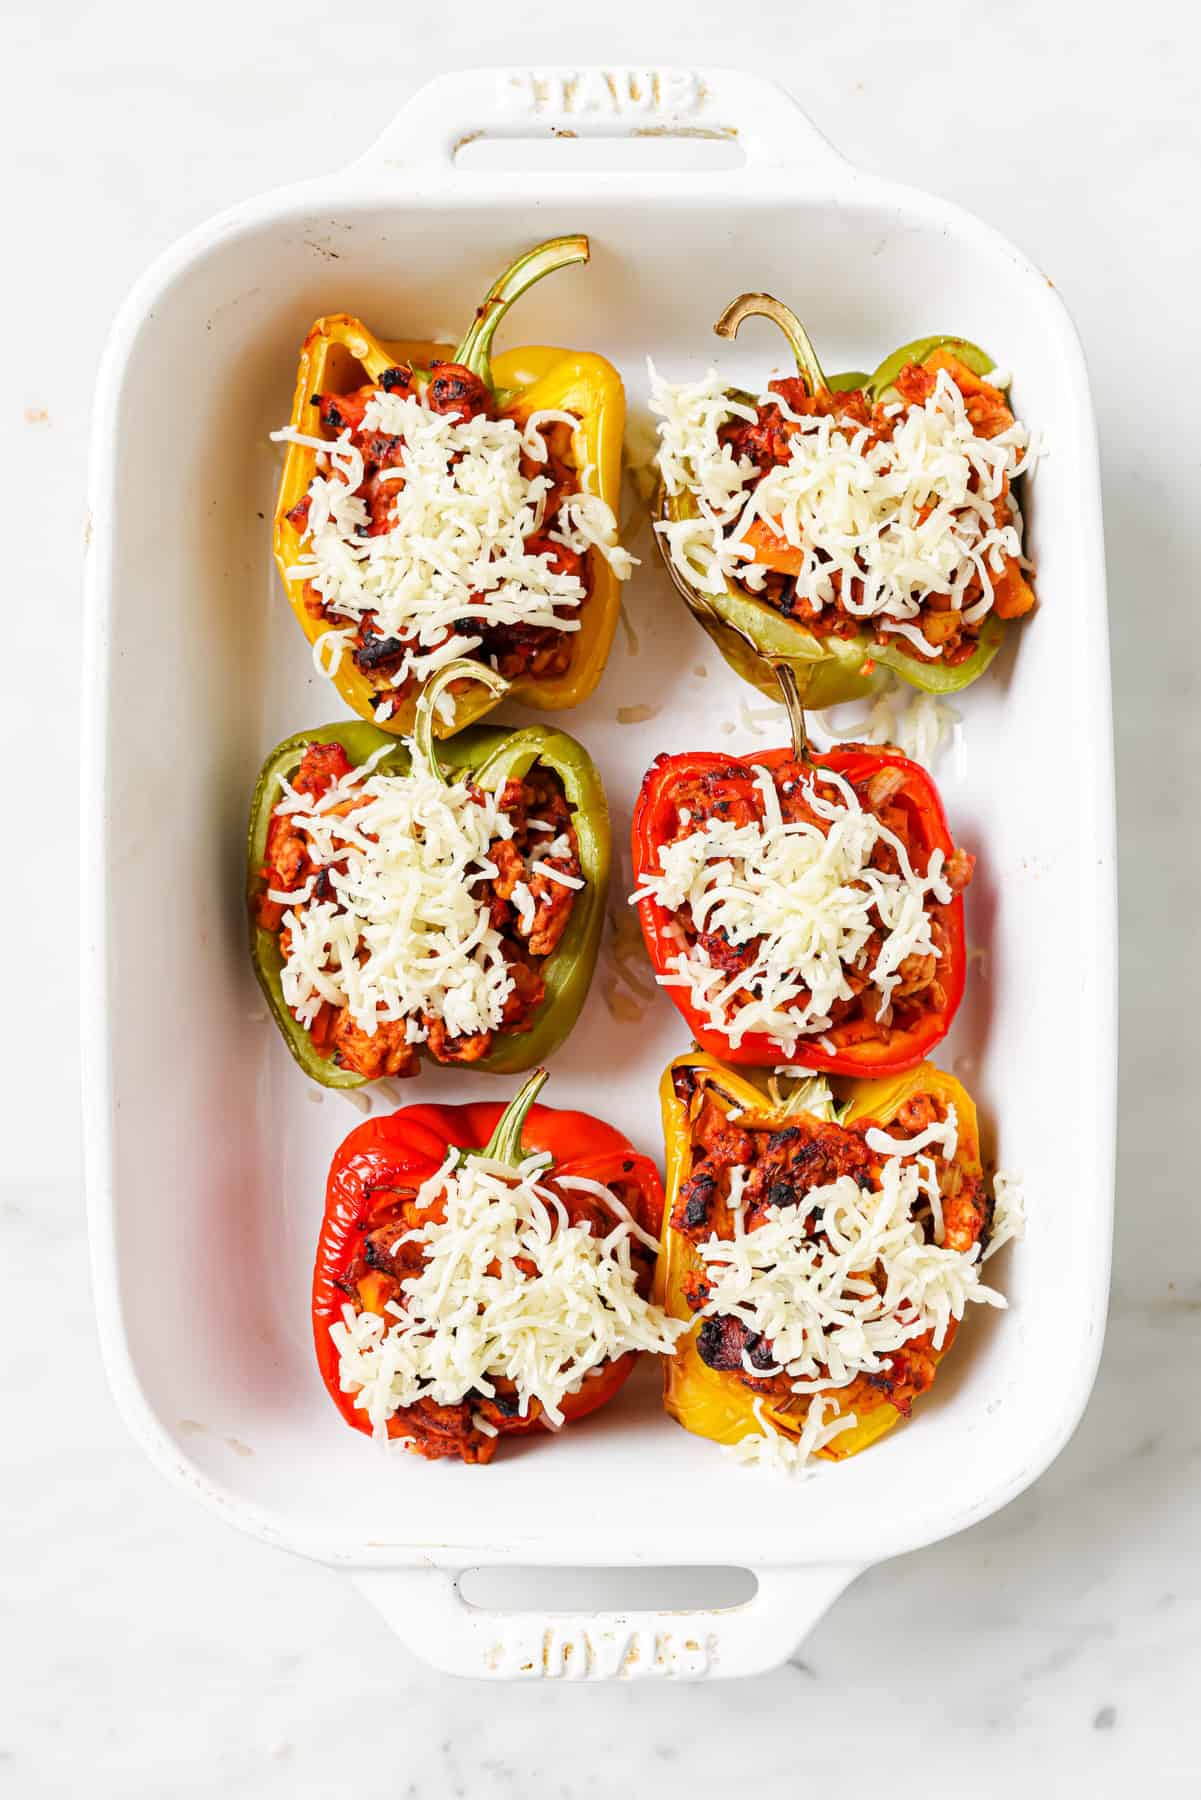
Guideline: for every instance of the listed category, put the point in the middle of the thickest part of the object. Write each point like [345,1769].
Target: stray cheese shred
[509,1289]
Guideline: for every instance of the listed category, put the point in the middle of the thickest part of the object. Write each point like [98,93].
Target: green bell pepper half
[490,755]
[753,636]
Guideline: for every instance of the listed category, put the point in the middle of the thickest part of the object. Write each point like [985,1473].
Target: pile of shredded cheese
[811,898]
[402,932]
[475,1313]
[899,520]
[839,1282]
[455,549]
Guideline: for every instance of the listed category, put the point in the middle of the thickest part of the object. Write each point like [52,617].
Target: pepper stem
[475,351]
[462,669]
[504,1145]
[785,674]
[748,306]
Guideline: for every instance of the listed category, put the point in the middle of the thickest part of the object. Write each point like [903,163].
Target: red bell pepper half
[370,1203]
[861,1046]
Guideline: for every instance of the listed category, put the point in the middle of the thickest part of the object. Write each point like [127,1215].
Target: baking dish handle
[456,108]
[429,1614]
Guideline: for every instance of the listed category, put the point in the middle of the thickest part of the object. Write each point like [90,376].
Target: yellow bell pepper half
[710,1402]
[340,355]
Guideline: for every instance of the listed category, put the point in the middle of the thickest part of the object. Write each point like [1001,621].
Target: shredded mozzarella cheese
[1009,1212]
[922,726]
[455,549]
[809,897]
[402,932]
[475,1314]
[898,520]
[770,1449]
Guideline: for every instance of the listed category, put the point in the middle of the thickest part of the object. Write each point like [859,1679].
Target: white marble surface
[147,1650]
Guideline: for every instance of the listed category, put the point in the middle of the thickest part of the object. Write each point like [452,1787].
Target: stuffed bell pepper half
[441,504]
[485,1271]
[803,909]
[405,900]
[824,1246]
[847,524]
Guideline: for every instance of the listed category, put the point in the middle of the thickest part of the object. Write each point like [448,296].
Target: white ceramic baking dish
[206,1150]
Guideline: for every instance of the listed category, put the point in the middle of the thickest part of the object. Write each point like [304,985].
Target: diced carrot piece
[938,626]
[773,551]
[374,1290]
[1012,595]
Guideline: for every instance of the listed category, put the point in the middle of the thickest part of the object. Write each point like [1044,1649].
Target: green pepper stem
[504,1145]
[785,674]
[475,351]
[462,669]
[748,306]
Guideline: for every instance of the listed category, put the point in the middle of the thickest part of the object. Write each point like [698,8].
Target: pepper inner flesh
[733,794]
[373,1282]
[543,831]
[766,443]
[514,649]
[784,1163]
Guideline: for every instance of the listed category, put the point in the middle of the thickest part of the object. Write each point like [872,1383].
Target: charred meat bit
[397,380]
[455,389]
[377,652]
[695,1204]
[343,412]
[719,1343]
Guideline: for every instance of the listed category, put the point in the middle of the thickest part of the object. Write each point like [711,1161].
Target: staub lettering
[567,1652]
[613,93]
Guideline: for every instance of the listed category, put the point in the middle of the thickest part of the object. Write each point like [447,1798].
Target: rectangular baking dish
[207,1150]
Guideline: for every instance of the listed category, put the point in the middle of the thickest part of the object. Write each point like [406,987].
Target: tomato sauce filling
[734,795]
[785,1162]
[766,443]
[513,649]
[527,941]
